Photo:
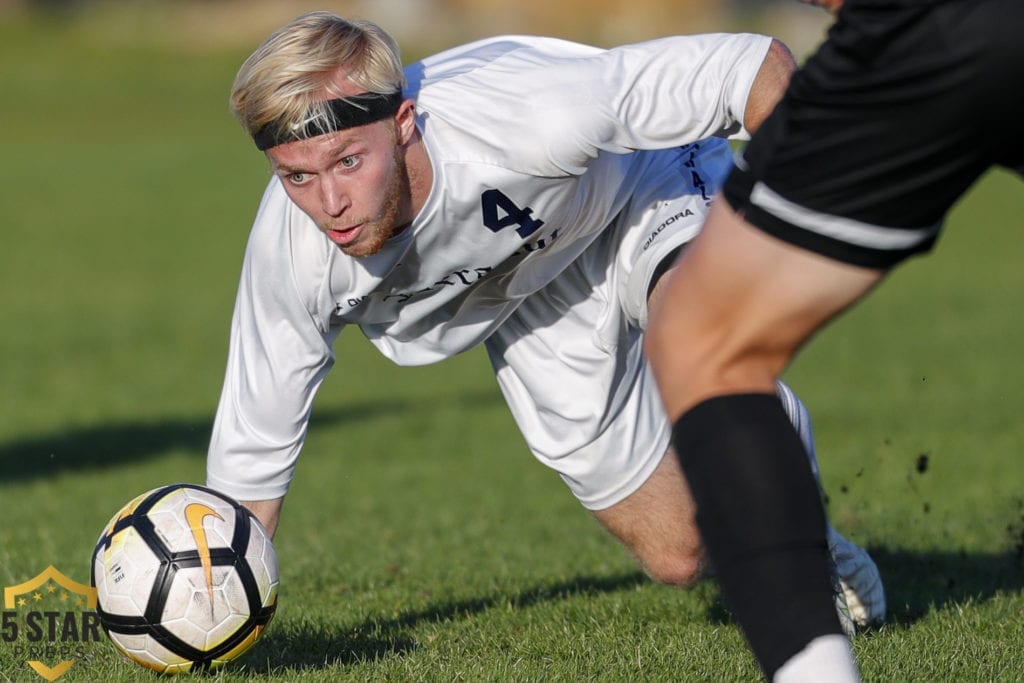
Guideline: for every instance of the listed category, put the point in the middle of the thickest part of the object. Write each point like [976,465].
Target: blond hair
[281,85]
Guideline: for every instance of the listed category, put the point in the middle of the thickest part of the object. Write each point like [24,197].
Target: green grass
[421,541]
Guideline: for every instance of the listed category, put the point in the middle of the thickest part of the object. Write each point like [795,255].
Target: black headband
[341,113]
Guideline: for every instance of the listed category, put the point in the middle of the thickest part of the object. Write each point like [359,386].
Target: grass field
[421,542]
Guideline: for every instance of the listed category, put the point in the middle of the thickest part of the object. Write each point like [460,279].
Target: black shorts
[901,109]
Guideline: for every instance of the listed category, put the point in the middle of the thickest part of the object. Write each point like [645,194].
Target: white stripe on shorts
[843,229]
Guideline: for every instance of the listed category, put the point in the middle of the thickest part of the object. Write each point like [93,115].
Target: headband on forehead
[341,113]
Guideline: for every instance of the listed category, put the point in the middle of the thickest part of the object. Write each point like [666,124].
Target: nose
[333,198]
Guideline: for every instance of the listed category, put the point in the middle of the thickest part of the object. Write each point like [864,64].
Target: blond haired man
[523,193]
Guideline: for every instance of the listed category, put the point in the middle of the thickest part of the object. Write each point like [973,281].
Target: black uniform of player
[898,113]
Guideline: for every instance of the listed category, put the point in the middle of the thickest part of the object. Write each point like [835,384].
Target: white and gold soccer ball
[186,579]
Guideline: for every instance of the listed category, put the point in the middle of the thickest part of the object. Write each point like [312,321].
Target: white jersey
[534,148]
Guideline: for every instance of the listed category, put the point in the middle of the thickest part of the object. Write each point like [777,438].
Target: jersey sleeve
[279,353]
[548,107]
[652,95]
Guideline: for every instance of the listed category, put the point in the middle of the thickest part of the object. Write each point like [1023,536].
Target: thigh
[731,325]
[572,371]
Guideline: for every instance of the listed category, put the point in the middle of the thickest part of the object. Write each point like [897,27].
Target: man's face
[353,183]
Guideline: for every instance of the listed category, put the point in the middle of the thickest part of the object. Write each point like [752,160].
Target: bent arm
[769,85]
[657,94]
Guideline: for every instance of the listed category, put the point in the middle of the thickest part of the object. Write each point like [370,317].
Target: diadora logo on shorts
[48,620]
[685,213]
[195,514]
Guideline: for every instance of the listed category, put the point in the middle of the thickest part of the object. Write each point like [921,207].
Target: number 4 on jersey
[493,200]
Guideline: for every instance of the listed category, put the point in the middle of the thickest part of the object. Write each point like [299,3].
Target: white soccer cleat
[860,584]
[842,609]
[859,593]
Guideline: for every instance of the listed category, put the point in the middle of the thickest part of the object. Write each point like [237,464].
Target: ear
[405,121]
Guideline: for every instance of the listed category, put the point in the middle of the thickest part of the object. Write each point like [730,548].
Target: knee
[679,569]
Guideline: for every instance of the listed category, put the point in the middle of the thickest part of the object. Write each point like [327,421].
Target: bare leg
[736,309]
[733,314]
[657,525]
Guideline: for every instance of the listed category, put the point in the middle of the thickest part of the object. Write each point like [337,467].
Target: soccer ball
[186,579]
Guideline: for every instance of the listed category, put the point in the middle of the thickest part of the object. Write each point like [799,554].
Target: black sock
[762,521]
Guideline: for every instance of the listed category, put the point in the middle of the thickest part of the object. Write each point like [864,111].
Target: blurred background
[430,24]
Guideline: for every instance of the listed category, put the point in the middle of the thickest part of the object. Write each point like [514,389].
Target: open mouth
[343,236]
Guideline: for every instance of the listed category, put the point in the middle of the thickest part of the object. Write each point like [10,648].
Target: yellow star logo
[20,594]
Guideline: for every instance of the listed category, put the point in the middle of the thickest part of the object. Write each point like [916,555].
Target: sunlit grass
[420,540]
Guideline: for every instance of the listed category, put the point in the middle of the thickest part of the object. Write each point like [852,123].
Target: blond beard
[376,233]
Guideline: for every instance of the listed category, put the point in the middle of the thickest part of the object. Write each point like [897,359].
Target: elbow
[769,85]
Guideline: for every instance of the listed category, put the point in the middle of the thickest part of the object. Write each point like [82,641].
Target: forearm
[267,511]
[769,85]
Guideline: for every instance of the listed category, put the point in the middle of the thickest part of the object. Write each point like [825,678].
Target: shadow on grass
[111,445]
[316,647]
[915,582]
[919,582]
